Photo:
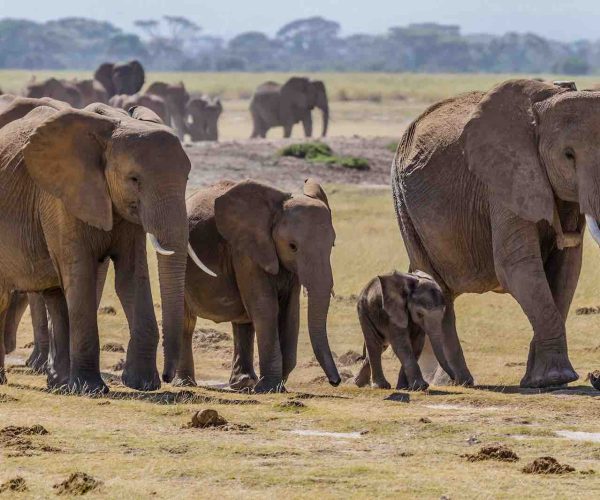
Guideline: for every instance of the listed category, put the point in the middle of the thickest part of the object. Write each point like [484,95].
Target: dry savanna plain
[317,440]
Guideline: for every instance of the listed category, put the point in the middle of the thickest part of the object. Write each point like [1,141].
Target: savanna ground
[137,446]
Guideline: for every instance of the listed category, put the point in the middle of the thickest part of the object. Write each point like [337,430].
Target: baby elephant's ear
[395,293]
[313,189]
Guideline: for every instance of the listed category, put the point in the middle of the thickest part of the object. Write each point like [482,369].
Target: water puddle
[593,437]
[335,435]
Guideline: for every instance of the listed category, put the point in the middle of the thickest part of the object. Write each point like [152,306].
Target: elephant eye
[293,247]
[570,154]
[134,179]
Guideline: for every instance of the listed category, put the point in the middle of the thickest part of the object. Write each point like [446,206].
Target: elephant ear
[500,145]
[12,108]
[395,292]
[244,216]
[104,75]
[313,189]
[139,75]
[65,157]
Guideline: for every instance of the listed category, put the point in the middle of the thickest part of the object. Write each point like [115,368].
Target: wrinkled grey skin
[153,102]
[125,177]
[176,98]
[263,244]
[61,90]
[125,78]
[489,190]
[202,117]
[399,309]
[275,105]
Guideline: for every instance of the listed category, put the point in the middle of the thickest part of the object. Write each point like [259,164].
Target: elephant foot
[363,377]
[269,384]
[548,364]
[2,376]
[38,361]
[87,383]
[243,381]
[381,384]
[141,379]
[183,380]
[464,379]
[56,383]
[417,385]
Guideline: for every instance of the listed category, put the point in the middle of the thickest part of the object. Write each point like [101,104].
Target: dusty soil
[78,483]
[258,159]
[547,465]
[16,484]
[493,452]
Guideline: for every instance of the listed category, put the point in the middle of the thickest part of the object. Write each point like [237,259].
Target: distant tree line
[314,44]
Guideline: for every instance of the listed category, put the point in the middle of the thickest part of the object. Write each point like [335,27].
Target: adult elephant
[264,244]
[77,186]
[176,98]
[91,91]
[275,105]
[61,90]
[125,78]
[202,117]
[488,189]
[149,101]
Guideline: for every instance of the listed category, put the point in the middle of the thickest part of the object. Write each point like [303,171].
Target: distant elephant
[202,116]
[263,244]
[61,90]
[489,189]
[77,186]
[91,91]
[152,102]
[176,99]
[125,78]
[275,105]
[399,310]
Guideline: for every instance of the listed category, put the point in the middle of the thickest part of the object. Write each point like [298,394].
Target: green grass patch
[318,152]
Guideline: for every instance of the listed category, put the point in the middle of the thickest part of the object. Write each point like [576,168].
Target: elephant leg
[402,347]
[375,346]
[101,279]
[289,327]
[59,363]
[4,303]
[520,270]
[363,377]
[287,130]
[307,124]
[242,375]
[562,271]
[185,375]
[452,348]
[16,309]
[39,318]
[417,340]
[132,284]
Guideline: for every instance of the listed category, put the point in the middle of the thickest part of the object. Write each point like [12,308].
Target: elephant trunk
[436,336]
[168,230]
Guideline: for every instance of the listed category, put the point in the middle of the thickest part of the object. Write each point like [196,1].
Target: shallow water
[594,437]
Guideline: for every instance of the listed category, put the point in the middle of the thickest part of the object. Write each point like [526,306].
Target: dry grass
[137,447]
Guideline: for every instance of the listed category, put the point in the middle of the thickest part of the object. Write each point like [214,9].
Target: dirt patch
[547,465]
[424,420]
[349,358]
[119,366]
[176,450]
[291,404]
[17,485]
[584,311]
[107,311]
[493,452]
[179,397]
[77,484]
[112,347]
[12,438]
[210,339]
[13,431]
[345,375]
[594,378]
[5,398]
[210,419]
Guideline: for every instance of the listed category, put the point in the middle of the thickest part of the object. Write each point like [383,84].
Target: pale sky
[557,19]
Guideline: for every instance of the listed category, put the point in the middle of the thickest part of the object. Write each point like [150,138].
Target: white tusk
[157,246]
[198,262]
[594,229]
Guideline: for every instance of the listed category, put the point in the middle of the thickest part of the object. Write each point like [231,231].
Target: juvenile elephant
[399,309]
[264,244]
[149,101]
[175,97]
[275,105]
[489,189]
[60,90]
[125,78]
[77,186]
[202,116]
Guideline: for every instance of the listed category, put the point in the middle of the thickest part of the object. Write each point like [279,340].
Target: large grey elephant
[91,91]
[275,105]
[263,244]
[77,186]
[202,117]
[176,98]
[124,78]
[489,188]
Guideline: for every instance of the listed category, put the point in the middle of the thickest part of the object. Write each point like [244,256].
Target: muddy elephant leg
[520,270]
[242,368]
[38,359]
[16,309]
[132,284]
[58,366]
[289,328]
[402,347]
[308,125]
[185,375]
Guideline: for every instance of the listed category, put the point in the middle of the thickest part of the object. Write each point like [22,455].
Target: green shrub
[318,152]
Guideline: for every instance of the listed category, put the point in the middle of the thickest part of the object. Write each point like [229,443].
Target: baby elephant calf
[398,309]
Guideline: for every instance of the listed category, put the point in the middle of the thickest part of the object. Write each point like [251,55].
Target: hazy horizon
[564,22]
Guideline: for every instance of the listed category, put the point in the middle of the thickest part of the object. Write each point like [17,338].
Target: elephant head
[176,98]
[128,78]
[149,101]
[91,91]
[202,116]
[105,166]
[533,143]
[296,232]
[56,89]
[300,95]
